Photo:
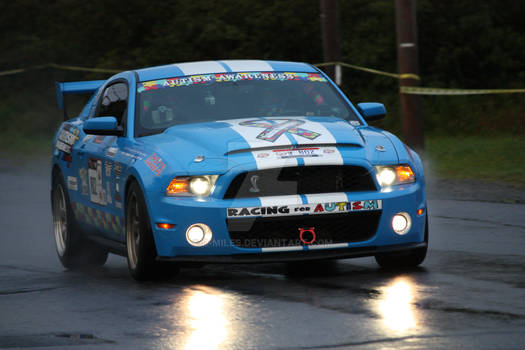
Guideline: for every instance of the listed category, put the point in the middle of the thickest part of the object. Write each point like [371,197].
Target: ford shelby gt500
[231,161]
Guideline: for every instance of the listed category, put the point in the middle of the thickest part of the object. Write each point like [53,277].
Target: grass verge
[495,159]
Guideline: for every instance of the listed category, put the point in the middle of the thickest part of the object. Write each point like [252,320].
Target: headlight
[200,186]
[394,175]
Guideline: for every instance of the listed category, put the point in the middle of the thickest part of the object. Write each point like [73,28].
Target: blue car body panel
[98,169]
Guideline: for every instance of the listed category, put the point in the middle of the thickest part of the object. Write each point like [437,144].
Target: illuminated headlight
[198,235]
[394,175]
[401,223]
[200,186]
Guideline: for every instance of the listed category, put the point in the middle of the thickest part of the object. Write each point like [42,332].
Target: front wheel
[405,259]
[140,246]
[73,250]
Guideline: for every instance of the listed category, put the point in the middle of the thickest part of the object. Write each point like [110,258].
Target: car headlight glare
[394,175]
[199,186]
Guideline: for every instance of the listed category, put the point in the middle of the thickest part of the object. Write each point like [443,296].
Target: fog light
[198,235]
[401,223]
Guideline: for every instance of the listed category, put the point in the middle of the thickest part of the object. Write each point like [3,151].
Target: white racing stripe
[205,67]
[328,246]
[249,134]
[330,155]
[281,200]
[326,197]
[281,249]
[248,66]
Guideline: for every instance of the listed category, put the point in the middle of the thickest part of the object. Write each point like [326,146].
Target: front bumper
[288,256]
[183,212]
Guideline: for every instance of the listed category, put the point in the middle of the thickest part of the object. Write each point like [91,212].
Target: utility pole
[407,61]
[330,33]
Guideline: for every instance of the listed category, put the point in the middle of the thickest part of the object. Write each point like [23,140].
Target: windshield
[222,96]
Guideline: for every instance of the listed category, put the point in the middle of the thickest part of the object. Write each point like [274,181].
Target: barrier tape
[417,90]
[371,70]
[412,90]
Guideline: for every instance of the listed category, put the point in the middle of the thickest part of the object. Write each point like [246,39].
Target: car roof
[225,66]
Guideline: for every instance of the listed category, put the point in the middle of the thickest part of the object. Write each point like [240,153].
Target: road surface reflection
[206,318]
[395,307]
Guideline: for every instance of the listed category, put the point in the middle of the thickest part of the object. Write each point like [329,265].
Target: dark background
[463,44]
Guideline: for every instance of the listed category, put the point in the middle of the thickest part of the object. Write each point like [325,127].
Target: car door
[103,164]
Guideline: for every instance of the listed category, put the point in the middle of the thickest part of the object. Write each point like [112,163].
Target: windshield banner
[227,77]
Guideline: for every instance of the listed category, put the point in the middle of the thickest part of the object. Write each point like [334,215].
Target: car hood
[229,143]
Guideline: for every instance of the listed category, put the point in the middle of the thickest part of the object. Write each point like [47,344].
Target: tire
[404,259]
[73,249]
[140,245]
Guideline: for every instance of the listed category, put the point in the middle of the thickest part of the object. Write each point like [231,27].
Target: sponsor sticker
[155,163]
[108,165]
[72,183]
[117,168]
[291,153]
[311,208]
[133,153]
[67,138]
[297,153]
[83,180]
[111,152]
[97,194]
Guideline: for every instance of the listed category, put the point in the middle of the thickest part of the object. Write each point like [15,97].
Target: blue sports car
[231,161]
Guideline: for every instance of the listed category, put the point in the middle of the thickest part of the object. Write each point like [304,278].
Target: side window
[114,102]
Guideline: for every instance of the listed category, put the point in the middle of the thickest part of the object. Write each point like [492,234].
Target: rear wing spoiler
[75,87]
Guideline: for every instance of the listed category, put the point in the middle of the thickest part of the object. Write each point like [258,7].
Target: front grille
[300,180]
[284,231]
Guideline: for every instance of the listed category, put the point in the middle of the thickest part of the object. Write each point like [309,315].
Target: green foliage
[492,159]
[462,44]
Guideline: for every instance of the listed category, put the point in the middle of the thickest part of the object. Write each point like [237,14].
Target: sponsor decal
[97,194]
[276,127]
[133,153]
[82,172]
[67,138]
[293,153]
[311,208]
[155,164]
[72,183]
[111,152]
[117,168]
[99,139]
[355,122]
[226,78]
[108,165]
[297,153]
[67,158]
[87,138]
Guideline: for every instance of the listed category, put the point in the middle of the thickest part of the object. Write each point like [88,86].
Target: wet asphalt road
[469,293]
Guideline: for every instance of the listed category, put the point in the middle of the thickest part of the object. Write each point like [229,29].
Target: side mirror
[102,126]
[372,110]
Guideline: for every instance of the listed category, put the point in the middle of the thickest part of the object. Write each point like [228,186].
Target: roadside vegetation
[461,45]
